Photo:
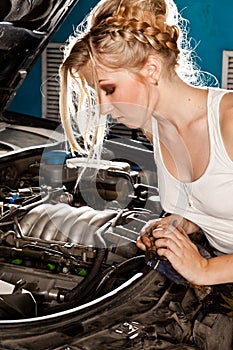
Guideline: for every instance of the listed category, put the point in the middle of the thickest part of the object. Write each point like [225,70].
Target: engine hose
[136,262]
[79,292]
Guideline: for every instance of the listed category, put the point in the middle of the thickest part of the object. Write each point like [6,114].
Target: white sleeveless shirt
[207,201]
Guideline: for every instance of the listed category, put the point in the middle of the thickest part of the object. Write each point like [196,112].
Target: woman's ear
[152,69]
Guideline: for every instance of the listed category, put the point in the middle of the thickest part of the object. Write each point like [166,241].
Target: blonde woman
[132,61]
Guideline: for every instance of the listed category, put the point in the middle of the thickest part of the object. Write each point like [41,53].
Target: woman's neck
[179,103]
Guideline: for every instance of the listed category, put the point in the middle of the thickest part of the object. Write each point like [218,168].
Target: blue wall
[210,25]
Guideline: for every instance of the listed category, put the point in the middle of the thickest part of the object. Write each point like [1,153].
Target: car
[71,275]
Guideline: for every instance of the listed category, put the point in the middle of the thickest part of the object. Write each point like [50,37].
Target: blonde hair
[116,34]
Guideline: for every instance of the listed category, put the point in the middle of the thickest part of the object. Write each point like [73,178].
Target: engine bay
[68,255]
[59,240]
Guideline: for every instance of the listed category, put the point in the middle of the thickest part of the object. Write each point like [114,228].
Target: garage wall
[210,25]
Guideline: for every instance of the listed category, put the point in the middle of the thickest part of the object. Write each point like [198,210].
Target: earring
[155,82]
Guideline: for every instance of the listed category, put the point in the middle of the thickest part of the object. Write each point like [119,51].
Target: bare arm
[186,259]
[172,242]
[226,123]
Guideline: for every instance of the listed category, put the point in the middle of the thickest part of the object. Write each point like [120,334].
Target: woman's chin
[130,126]
[122,120]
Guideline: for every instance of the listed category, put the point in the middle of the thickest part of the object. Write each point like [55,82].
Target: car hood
[25,29]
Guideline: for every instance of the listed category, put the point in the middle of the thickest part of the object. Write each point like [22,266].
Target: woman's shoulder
[227,99]
[226,121]
[226,107]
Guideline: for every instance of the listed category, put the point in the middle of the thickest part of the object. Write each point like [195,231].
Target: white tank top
[207,201]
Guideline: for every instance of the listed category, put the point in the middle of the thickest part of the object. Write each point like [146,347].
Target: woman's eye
[109,89]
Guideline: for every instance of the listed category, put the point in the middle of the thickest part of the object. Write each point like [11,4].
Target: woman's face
[125,96]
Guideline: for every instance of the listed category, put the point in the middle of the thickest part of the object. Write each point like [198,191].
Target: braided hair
[133,33]
[116,34]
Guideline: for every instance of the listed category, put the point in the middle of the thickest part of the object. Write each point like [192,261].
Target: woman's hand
[166,223]
[176,246]
[173,243]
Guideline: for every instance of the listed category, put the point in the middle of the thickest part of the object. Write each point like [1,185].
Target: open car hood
[25,29]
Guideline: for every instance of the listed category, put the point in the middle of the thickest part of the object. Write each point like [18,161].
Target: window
[227,69]
[51,60]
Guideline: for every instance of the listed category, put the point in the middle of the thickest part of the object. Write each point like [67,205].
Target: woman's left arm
[226,122]
[184,256]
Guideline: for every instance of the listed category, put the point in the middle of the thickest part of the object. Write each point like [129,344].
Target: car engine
[57,238]
[65,244]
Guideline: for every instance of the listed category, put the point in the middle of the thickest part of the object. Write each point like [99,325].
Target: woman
[133,59]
